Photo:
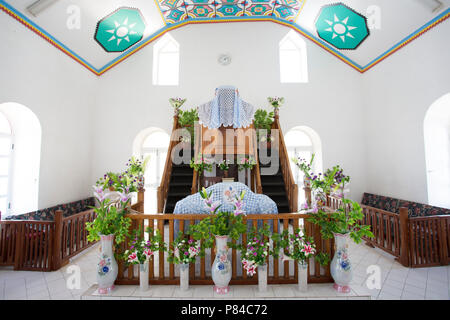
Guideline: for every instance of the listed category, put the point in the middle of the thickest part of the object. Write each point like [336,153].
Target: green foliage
[123,182]
[246,163]
[298,246]
[109,220]
[201,164]
[224,165]
[276,102]
[323,258]
[258,248]
[218,224]
[176,103]
[185,250]
[141,250]
[343,220]
[263,121]
[136,167]
[187,120]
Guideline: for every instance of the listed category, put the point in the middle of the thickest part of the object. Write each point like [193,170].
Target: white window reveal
[166,62]
[6,148]
[293,59]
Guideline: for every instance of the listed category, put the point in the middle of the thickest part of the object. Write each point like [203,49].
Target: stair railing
[289,182]
[256,169]
[163,188]
[197,151]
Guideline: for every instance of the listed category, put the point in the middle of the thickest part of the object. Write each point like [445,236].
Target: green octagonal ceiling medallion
[341,26]
[120,30]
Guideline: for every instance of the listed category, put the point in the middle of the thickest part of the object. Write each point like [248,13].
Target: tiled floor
[397,282]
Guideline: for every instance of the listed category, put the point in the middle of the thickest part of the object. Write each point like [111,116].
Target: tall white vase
[143,276]
[107,266]
[340,267]
[221,268]
[302,276]
[262,278]
[184,276]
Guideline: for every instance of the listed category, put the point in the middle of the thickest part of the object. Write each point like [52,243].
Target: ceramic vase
[221,268]
[107,266]
[184,276]
[340,267]
[143,276]
[262,278]
[302,276]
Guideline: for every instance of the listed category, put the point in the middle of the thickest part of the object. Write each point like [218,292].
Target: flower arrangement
[257,250]
[246,163]
[224,165]
[141,250]
[299,247]
[110,219]
[276,102]
[201,164]
[136,170]
[121,182]
[176,103]
[219,223]
[185,250]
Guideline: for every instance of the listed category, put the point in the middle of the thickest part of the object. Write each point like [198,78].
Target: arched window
[303,142]
[152,142]
[437,152]
[293,59]
[20,153]
[166,61]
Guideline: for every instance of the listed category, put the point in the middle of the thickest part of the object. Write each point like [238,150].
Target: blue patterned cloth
[226,109]
[253,203]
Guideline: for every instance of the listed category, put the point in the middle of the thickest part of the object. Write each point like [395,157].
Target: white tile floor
[398,282]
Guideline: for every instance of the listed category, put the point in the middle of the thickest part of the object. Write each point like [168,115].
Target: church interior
[226,149]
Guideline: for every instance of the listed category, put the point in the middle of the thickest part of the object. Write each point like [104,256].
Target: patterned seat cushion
[391,204]
[48,214]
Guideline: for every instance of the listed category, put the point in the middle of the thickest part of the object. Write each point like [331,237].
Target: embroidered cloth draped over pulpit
[226,109]
[227,124]
[224,192]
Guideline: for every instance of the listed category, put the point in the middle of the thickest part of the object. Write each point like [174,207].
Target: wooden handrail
[197,150]
[163,188]
[257,170]
[289,182]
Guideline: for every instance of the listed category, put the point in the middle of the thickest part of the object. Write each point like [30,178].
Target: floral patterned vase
[107,267]
[184,276]
[221,268]
[143,276]
[302,276]
[340,267]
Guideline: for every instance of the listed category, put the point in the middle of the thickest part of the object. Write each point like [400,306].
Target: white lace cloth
[226,109]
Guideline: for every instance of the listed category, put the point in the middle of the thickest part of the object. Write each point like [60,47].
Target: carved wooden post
[404,237]
[140,199]
[308,195]
[443,234]
[295,198]
[57,240]
[19,228]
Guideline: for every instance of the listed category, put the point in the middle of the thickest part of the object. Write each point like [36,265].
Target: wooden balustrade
[163,188]
[415,242]
[279,272]
[289,182]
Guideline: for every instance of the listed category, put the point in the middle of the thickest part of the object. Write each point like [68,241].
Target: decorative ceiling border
[8,9]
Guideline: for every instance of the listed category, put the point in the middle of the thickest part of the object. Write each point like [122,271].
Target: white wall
[397,94]
[61,94]
[330,103]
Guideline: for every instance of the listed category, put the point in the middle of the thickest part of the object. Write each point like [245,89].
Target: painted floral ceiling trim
[17,15]
[178,10]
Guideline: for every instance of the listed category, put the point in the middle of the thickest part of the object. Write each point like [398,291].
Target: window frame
[9,174]
[300,46]
[158,50]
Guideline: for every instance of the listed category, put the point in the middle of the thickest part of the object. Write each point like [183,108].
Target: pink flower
[132,257]
[223,258]
[305,206]
[307,250]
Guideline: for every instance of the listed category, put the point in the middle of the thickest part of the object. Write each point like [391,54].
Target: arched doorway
[20,153]
[437,152]
[152,142]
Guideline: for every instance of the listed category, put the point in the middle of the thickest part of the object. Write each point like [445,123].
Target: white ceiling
[399,19]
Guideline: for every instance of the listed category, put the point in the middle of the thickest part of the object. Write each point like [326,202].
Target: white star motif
[122,31]
[340,28]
